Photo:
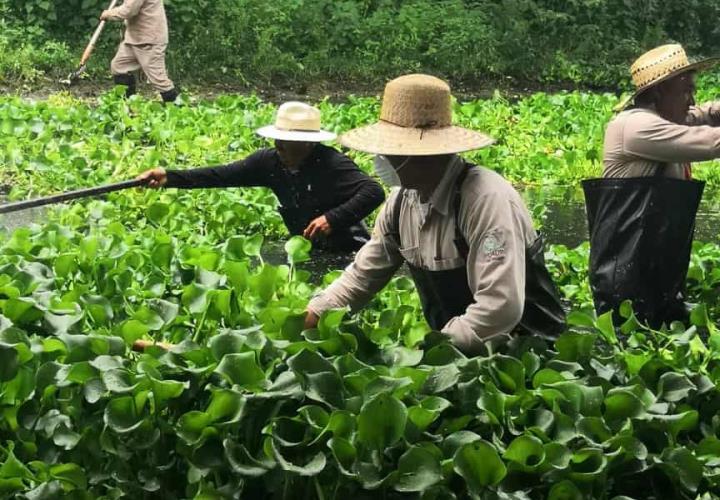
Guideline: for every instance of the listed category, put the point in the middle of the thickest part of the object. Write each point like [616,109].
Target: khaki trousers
[148,57]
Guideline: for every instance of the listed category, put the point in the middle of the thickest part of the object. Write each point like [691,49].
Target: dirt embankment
[464,91]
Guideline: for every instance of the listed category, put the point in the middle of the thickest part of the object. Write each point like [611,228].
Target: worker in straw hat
[143,47]
[323,194]
[463,230]
[642,213]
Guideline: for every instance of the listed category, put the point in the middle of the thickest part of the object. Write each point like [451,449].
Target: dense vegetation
[365,406]
[361,42]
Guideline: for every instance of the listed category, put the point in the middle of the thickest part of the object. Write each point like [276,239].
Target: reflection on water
[560,211]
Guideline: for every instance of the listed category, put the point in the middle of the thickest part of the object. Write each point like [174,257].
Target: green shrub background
[363,42]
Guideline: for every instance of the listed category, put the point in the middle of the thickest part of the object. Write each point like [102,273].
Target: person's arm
[363,194]
[252,171]
[128,10]
[705,114]
[374,265]
[651,137]
[495,233]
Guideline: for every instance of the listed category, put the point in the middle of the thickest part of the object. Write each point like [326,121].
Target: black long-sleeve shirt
[326,183]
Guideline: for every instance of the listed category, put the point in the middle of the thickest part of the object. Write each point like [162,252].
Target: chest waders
[447,294]
[641,232]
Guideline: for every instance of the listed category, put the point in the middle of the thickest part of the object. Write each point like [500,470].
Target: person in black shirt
[323,194]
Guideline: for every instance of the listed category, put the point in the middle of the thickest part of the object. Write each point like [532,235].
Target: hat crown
[657,64]
[295,115]
[417,101]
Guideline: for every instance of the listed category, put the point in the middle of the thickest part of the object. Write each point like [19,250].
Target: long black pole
[70,195]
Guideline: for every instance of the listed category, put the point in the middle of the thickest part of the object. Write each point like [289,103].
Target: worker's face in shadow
[414,171]
[675,96]
[292,153]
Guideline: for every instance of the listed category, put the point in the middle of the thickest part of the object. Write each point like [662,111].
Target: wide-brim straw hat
[661,64]
[296,121]
[415,120]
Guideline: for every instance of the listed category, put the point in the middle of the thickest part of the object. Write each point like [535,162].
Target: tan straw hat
[296,121]
[663,63]
[415,120]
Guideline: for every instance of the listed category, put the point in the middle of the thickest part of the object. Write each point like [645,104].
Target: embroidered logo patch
[493,246]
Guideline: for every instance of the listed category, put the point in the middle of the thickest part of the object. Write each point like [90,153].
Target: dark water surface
[561,210]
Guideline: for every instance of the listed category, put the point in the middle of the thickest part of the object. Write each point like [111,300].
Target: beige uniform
[638,140]
[497,227]
[146,39]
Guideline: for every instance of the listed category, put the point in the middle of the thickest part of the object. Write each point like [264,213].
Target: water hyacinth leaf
[509,373]
[243,463]
[165,390]
[253,244]
[402,356]
[298,250]
[242,369]
[680,464]
[226,343]
[132,330]
[605,326]
[674,387]
[121,415]
[480,465]
[226,406]
[195,298]
[573,346]
[157,212]
[325,387]
[441,378]
[303,467]
[621,404]
[344,453]
[9,363]
[381,422]
[586,464]
[565,490]
[192,425]
[418,469]
[526,451]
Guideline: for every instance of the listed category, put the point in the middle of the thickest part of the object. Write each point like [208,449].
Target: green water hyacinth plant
[233,398]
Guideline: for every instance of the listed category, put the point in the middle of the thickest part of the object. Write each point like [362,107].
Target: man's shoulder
[481,181]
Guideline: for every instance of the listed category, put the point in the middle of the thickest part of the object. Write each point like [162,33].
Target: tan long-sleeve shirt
[639,141]
[145,21]
[497,228]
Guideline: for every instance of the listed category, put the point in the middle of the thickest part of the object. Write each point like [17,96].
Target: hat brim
[272,132]
[696,66]
[385,138]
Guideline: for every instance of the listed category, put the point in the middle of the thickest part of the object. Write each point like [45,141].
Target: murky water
[561,210]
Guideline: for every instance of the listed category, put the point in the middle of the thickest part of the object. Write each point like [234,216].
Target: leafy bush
[26,54]
[297,42]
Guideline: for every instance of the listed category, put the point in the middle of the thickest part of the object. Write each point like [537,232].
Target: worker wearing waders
[144,45]
[463,230]
[641,215]
[323,194]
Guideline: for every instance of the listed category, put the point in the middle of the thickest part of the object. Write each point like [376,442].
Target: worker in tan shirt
[144,45]
[463,230]
[642,214]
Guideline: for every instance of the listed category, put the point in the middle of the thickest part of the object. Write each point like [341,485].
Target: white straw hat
[415,120]
[663,63]
[296,121]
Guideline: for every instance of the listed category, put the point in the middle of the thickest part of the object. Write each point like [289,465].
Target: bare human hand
[317,227]
[154,178]
[311,320]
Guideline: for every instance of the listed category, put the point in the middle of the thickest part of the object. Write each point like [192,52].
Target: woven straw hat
[296,121]
[663,63]
[415,120]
